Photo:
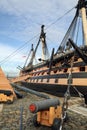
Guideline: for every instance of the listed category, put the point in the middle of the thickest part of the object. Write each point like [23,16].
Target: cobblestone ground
[10,117]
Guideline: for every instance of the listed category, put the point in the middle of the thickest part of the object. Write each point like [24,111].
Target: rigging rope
[17,51]
[60,18]
[32,58]
[68,33]
[27,59]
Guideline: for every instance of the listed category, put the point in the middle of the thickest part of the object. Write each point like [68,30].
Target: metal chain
[79,93]
[65,106]
[66,96]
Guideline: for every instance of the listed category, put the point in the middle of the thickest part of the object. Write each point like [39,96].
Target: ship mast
[32,56]
[43,40]
[45,53]
[82,4]
[31,59]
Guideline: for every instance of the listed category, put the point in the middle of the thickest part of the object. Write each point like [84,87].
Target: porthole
[65,70]
[55,71]
[41,80]
[56,80]
[47,80]
[82,68]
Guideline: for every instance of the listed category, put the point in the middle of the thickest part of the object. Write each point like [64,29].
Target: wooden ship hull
[54,89]
[56,83]
[66,67]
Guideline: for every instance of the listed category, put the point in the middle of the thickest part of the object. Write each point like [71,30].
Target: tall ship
[68,65]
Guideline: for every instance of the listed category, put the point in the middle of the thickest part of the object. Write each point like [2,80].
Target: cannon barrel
[30,91]
[43,105]
[18,94]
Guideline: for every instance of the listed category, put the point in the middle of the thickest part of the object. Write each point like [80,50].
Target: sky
[20,24]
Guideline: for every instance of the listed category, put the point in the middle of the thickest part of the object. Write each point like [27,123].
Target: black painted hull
[57,90]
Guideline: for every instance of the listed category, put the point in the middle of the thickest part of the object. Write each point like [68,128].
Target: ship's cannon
[44,105]
[48,113]
[30,91]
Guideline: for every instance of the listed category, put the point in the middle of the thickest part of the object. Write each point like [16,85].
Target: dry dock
[10,115]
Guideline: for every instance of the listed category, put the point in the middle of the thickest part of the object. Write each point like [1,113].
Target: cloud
[22,20]
[28,14]
[8,61]
[36,9]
